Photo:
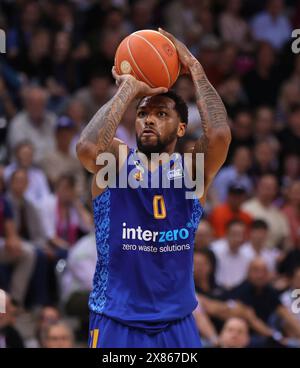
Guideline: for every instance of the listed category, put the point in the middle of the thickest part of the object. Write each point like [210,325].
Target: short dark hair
[233,222]
[259,224]
[67,177]
[180,104]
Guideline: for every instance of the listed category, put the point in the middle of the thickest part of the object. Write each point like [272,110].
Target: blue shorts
[109,333]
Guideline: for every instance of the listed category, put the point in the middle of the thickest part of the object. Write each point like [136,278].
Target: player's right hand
[142,88]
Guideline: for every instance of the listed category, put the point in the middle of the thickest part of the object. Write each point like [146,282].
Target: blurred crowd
[56,73]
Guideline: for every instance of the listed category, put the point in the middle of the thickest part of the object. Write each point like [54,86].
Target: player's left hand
[186,58]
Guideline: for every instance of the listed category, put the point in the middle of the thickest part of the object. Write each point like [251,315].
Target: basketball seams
[156,51]
[134,62]
[167,39]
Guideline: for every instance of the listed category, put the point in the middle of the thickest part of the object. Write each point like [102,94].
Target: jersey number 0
[159,207]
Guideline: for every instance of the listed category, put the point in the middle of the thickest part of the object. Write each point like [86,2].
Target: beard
[154,147]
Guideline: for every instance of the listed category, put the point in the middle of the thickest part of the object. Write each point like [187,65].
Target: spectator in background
[29,226]
[64,216]
[209,336]
[257,245]
[220,311]
[265,160]
[38,187]
[236,173]
[257,293]
[102,59]
[76,111]
[290,135]
[208,57]
[232,95]
[288,98]
[262,83]
[183,12]
[7,105]
[206,19]
[96,94]
[292,212]
[61,161]
[233,27]
[230,210]
[204,235]
[204,274]
[14,251]
[232,262]
[19,36]
[9,335]
[65,17]
[242,132]
[295,77]
[26,216]
[77,279]
[63,77]
[141,15]
[288,297]
[228,54]
[58,335]
[235,334]
[261,207]
[264,126]
[34,123]
[46,316]
[115,21]
[291,171]
[272,25]
[35,61]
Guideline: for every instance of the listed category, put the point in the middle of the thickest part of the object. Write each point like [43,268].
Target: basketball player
[143,293]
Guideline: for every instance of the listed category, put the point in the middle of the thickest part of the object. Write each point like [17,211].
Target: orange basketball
[150,57]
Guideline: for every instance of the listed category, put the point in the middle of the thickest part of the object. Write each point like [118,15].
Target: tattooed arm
[98,135]
[216,135]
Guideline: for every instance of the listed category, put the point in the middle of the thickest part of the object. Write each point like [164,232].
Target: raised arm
[216,135]
[98,135]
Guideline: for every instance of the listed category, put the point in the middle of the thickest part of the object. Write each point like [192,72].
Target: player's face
[157,124]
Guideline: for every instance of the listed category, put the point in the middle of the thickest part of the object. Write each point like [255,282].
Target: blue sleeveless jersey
[145,241]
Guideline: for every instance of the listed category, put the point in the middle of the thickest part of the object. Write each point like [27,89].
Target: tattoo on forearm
[102,127]
[211,108]
[202,144]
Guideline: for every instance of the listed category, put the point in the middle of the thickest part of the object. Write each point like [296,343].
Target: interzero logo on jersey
[175,171]
[133,233]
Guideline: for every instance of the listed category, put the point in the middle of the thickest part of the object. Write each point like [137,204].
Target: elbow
[86,155]
[81,150]
[222,135]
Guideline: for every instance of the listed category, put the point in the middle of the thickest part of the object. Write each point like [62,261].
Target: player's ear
[181,129]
